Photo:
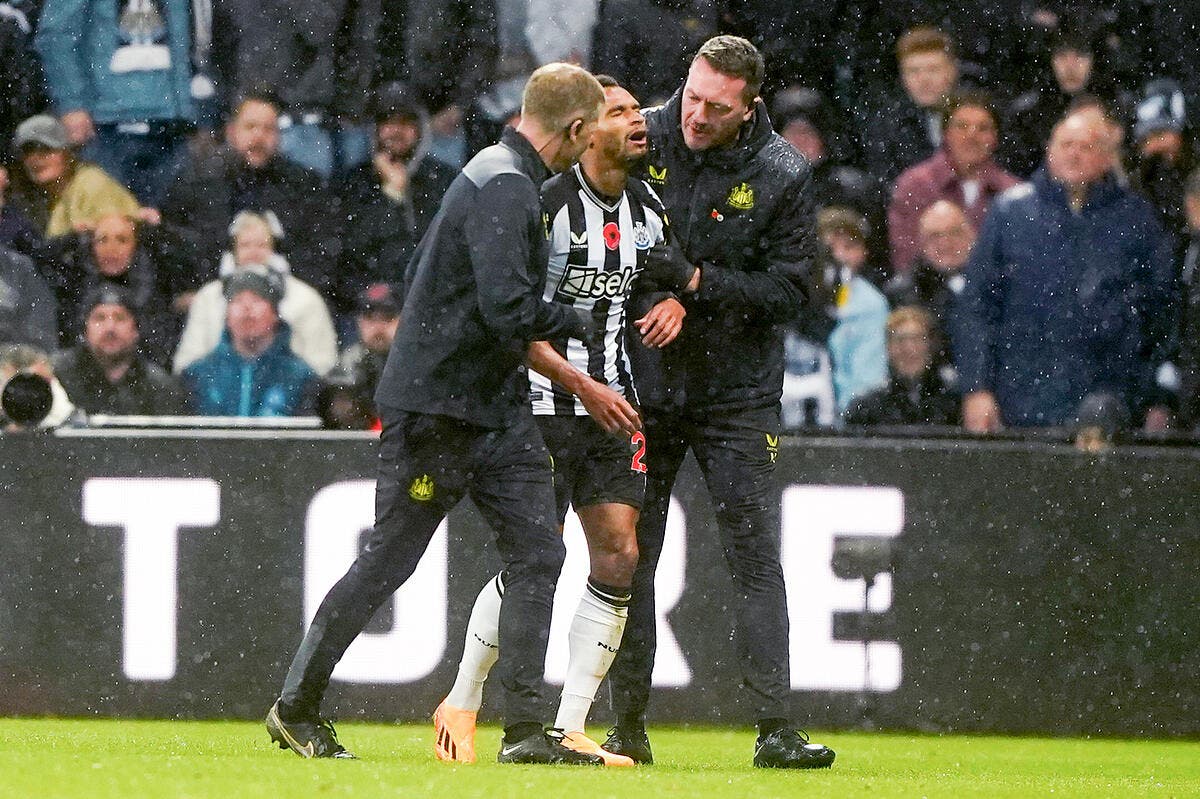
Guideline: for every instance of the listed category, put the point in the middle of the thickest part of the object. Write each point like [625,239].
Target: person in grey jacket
[27,309]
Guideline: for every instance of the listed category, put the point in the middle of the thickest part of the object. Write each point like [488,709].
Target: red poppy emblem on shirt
[612,235]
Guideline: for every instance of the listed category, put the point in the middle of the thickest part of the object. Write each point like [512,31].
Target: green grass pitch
[98,759]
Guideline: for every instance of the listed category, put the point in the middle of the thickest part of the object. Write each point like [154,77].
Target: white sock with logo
[482,647]
[593,641]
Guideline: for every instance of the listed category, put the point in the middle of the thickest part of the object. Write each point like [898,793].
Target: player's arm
[606,407]
[776,291]
[507,213]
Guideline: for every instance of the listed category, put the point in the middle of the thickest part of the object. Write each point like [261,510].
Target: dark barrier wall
[1023,587]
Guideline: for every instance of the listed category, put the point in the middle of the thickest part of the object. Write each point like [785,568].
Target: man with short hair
[607,233]
[456,420]
[902,129]
[962,171]
[249,174]
[1069,293]
[1030,118]
[105,373]
[937,279]
[252,371]
[383,207]
[738,198]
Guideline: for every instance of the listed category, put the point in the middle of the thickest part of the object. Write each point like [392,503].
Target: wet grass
[149,759]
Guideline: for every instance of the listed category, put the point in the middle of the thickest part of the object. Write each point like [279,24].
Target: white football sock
[594,639]
[482,648]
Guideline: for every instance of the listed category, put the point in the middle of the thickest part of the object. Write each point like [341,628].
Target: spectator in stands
[116,254]
[105,373]
[915,393]
[936,281]
[810,124]
[647,44]
[902,129]
[312,336]
[377,319]
[249,174]
[384,207]
[1069,293]
[43,402]
[27,308]
[961,171]
[16,231]
[1163,153]
[20,73]
[57,191]
[857,349]
[252,371]
[120,75]
[1029,119]
[319,57]
[1189,329]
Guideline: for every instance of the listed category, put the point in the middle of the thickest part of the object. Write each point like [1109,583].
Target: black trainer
[307,739]
[634,744]
[788,748]
[545,747]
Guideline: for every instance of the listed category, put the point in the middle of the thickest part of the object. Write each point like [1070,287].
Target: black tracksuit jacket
[473,295]
[744,215]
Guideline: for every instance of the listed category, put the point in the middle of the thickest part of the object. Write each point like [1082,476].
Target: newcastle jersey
[596,252]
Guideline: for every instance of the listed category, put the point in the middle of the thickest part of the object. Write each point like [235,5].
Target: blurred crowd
[206,206]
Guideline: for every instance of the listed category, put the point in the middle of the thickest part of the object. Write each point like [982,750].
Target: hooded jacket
[744,215]
[276,383]
[1060,304]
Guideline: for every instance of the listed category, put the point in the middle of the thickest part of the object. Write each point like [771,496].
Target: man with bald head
[457,420]
[936,282]
[1069,294]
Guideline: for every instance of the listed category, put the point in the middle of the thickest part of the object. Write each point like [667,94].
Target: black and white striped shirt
[596,252]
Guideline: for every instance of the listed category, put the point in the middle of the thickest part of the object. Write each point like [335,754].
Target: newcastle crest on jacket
[742,197]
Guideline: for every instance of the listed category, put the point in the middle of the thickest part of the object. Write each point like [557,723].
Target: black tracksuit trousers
[426,465]
[736,453]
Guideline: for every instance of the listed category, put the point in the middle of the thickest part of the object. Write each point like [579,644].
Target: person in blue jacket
[1069,293]
[121,77]
[253,371]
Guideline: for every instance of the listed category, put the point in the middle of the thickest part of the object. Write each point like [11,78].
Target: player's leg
[599,621]
[629,675]
[514,491]
[608,475]
[737,455]
[418,481]
[454,719]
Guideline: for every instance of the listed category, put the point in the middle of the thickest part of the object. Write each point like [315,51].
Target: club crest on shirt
[641,236]
[742,197]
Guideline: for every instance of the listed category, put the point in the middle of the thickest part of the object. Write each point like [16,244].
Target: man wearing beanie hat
[384,206]
[104,373]
[1164,156]
[252,371]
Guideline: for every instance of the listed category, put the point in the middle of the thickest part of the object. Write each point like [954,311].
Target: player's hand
[668,268]
[980,412]
[609,409]
[662,324]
